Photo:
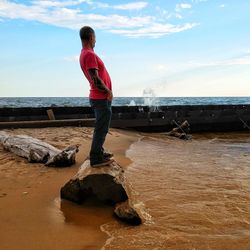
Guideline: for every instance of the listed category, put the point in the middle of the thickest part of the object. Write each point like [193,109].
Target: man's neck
[86,46]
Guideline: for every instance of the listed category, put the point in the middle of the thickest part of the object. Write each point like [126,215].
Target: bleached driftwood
[109,185]
[38,151]
[180,131]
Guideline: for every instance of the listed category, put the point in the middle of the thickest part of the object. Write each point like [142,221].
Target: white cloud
[155,30]
[244,60]
[199,1]
[181,6]
[179,16]
[131,6]
[238,61]
[222,6]
[69,18]
[128,6]
[56,13]
[185,6]
[174,68]
[53,3]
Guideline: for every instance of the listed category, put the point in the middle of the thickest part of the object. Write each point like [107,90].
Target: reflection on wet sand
[88,215]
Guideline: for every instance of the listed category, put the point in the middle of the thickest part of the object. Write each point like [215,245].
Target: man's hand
[99,84]
[110,96]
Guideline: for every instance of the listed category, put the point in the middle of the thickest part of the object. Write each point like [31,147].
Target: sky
[167,47]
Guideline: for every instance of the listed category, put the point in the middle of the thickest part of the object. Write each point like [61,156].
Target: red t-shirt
[89,60]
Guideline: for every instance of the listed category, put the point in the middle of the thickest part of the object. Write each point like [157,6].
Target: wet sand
[197,193]
[32,215]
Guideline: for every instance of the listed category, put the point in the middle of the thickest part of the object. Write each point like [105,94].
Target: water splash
[148,96]
[132,103]
[150,99]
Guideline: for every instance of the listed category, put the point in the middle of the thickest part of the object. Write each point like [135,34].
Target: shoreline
[31,209]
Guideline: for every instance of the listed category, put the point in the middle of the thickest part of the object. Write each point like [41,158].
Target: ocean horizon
[15,102]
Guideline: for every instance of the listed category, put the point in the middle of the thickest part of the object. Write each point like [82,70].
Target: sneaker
[107,155]
[102,163]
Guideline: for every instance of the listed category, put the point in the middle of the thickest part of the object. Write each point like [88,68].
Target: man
[100,96]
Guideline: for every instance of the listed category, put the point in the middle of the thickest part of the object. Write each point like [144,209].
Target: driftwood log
[109,185]
[38,151]
[181,131]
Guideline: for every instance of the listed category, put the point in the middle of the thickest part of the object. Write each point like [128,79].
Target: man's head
[87,35]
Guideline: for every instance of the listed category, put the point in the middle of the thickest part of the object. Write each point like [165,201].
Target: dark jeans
[103,113]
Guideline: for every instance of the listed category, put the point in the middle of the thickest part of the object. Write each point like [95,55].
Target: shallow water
[197,193]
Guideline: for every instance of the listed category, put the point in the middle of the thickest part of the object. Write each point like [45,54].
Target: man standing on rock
[100,96]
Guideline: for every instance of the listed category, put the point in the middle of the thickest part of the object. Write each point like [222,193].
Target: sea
[14,102]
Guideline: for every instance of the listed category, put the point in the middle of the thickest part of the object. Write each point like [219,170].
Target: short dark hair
[85,33]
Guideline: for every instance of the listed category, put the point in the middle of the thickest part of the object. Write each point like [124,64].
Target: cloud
[191,66]
[222,6]
[185,6]
[244,60]
[181,6]
[128,6]
[131,6]
[53,3]
[237,61]
[68,18]
[155,30]
[58,14]
[199,1]
[178,16]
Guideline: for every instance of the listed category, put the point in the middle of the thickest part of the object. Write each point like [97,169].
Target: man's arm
[98,81]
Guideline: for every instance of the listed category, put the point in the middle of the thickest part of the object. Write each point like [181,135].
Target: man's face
[93,40]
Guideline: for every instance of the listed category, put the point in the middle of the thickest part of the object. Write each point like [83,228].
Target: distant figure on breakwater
[100,96]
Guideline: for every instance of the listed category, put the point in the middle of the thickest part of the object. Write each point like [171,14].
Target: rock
[104,183]
[109,185]
[127,213]
[38,151]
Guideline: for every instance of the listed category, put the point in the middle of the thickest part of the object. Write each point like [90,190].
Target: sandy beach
[197,193]
[31,213]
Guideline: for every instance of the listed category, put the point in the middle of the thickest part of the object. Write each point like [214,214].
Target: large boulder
[109,185]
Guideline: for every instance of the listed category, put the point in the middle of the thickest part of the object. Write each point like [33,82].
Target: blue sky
[175,48]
